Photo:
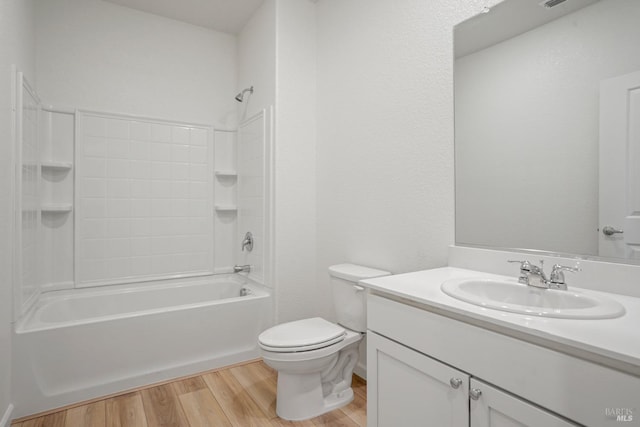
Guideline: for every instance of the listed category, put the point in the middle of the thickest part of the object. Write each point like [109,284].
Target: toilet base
[312,383]
[300,397]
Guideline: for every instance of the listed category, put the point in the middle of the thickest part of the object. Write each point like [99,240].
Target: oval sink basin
[511,296]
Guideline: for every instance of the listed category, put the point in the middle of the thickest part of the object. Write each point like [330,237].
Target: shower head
[240,96]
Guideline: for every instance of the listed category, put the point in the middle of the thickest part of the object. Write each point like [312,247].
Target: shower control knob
[475,393]
[608,230]
[455,382]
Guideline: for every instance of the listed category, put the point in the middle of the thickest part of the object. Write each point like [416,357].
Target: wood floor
[239,396]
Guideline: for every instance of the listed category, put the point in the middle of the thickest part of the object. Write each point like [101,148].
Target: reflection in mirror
[545,98]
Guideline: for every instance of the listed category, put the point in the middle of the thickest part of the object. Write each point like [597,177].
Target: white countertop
[611,342]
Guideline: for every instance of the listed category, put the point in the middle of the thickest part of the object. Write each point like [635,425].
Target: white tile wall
[250,192]
[145,199]
[56,144]
[29,197]
[225,190]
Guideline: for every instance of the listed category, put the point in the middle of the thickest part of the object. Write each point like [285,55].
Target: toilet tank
[349,299]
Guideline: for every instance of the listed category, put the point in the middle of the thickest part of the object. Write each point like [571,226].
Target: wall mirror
[547,128]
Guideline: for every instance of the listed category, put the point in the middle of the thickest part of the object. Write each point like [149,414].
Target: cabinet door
[407,388]
[496,408]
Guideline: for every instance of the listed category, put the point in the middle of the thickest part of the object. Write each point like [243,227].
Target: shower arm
[240,96]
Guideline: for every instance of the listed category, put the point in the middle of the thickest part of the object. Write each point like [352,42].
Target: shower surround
[128,228]
[145,199]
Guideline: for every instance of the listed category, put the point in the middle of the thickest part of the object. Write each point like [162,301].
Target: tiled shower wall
[144,199]
[136,200]
[253,176]
[225,189]
[29,210]
[56,146]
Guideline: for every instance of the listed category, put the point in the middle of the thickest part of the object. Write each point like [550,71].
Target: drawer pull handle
[475,393]
[455,382]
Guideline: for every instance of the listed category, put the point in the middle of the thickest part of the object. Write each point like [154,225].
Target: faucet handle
[557,272]
[524,265]
[247,242]
[525,269]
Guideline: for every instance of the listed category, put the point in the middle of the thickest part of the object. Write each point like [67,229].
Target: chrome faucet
[242,268]
[555,280]
[247,242]
[527,269]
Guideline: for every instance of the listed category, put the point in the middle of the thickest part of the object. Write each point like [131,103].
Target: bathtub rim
[29,323]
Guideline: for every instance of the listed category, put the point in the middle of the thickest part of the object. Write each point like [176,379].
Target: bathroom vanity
[546,108]
[438,361]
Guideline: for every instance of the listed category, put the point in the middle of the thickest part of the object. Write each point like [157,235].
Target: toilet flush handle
[358,288]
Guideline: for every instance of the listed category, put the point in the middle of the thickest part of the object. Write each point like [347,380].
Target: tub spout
[242,268]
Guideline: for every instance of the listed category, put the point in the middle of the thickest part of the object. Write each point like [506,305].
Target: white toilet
[314,357]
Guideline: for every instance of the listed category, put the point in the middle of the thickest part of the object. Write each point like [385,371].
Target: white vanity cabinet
[411,389]
[407,388]
[491,407]
[415,357]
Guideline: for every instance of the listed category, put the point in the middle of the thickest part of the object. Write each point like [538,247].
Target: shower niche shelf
[57,190]
[56,166]
[53,208]
[226,174]
[226,208]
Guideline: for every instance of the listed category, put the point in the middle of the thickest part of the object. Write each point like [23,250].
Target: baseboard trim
[361,370]
[6,418]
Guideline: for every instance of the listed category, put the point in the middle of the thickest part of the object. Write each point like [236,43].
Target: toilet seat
[301,335]
[300,356]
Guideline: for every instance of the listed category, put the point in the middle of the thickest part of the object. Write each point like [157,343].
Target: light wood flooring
[238,396]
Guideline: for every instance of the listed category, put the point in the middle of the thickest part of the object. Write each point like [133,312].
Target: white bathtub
[81,344]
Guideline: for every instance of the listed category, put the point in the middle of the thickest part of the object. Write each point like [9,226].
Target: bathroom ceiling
[508,19]
[228,16]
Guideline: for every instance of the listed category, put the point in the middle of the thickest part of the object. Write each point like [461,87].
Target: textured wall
[17,40]
[257,60]
[94,54]
[295,159]
[385,134]
[276,54]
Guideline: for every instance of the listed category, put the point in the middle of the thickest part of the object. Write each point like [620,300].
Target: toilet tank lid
[353,272]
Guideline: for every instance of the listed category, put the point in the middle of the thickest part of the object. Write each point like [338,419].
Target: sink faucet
[555,280]
[527,269]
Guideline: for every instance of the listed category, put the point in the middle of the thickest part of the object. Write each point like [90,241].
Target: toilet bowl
[315,358]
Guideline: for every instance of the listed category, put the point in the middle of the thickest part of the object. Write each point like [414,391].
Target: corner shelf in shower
[57,208]
[226,174]
[226,208]
[56,166]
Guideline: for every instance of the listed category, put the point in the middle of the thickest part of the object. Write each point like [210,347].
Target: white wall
[98,55]
[17,46]
[364,117]
[385,134]
[257,61]
[256,67]
[277,55]
[295,159]
[528,109]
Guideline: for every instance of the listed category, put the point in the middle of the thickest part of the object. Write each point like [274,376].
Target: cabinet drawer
[574,388]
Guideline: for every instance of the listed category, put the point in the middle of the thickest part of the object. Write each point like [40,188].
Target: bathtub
[77,345]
